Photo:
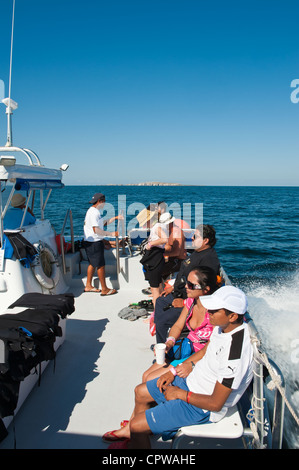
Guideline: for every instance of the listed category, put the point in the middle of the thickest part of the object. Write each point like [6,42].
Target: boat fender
[46,267]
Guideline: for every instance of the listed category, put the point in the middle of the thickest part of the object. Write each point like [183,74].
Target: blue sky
[189,91]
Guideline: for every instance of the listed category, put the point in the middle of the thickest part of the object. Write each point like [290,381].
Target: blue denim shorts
[168,416]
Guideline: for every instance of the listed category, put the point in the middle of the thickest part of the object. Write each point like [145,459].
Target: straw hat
[144,216]
[17,200]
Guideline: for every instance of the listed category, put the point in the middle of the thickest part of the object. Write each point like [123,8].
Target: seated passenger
[201,281]
[170,303]
[175,251]
[222,372]
[195,318]
[14,214]
[153,260]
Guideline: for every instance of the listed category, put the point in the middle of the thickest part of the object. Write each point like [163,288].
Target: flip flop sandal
[119,445]
[110,436]
[93,289]
[110,292]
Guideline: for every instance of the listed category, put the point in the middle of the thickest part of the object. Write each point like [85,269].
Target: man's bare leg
[142,402]
[140,433]
[90,273]
[102,279]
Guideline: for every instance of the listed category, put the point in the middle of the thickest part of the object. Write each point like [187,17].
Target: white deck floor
[97,367]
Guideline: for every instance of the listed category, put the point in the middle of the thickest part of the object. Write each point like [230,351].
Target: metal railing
[258,420]
[70,216]
[259,425]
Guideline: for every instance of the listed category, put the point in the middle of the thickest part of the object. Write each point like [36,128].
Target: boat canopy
[29,176]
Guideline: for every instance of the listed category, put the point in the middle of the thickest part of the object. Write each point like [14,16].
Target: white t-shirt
[93,218]
[228,360]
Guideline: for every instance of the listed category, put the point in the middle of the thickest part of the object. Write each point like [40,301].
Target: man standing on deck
[94,243]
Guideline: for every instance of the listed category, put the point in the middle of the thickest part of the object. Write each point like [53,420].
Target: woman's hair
[206,277]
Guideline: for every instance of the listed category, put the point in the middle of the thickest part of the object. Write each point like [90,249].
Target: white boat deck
[97,367]
[92,388]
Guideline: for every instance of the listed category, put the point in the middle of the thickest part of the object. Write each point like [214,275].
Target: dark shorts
[153,266]
[169,416]
[154,277]
[95,253]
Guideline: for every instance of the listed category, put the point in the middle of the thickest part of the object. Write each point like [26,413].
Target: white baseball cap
[228,297]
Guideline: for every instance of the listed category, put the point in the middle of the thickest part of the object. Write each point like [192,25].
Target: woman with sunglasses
[201,281]
[169,305]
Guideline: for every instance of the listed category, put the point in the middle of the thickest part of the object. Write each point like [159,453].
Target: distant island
[149,183]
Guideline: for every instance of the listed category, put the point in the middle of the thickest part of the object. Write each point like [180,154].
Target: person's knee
[141,393]
[144,376]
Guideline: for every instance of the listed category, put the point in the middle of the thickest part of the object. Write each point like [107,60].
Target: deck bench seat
[229,427]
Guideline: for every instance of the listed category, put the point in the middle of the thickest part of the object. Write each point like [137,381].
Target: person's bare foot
[108,292]
[91,289]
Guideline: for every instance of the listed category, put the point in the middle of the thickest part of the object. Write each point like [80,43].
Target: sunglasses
[192,286]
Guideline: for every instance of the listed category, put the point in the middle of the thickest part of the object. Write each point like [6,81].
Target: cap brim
[211,304]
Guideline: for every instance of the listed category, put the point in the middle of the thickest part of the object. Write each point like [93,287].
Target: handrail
[117,256]
[35,155]
[70,215]
[261,360]
[25,151]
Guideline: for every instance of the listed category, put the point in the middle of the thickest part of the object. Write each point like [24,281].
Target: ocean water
[257,243]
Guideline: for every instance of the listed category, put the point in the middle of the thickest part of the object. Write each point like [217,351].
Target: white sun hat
[166,218]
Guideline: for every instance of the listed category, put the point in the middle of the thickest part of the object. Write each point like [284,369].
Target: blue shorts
[168,416]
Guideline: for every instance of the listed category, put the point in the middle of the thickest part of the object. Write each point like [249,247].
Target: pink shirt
[202,333]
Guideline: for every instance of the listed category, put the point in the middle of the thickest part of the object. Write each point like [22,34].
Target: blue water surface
[257,227]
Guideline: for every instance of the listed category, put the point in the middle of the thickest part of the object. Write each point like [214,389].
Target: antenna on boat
[9,103]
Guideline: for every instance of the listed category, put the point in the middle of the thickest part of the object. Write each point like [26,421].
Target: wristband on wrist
[188,397]
[172,370]
[171,338]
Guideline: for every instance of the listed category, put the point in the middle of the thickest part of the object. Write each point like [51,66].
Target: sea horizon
[190,185]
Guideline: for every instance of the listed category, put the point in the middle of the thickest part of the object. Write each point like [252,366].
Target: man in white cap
[14,214]
[215,377]
[94,243]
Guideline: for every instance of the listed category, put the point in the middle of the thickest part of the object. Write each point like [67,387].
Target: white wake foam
[274,307]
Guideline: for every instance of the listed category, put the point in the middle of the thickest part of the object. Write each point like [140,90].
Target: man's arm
[109,221]
[213,402]
[172,250]
[103,233]
[184,369]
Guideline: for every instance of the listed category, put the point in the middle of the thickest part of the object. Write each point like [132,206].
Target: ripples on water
[258,245]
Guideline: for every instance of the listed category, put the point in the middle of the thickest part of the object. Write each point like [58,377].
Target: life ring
[45,267]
